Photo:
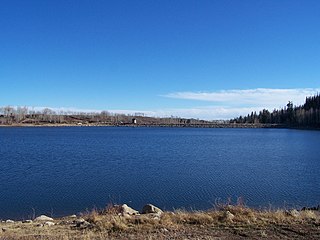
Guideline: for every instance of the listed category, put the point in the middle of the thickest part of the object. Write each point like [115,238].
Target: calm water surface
[60,171]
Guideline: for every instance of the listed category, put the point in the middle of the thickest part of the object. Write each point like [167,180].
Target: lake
[66,170]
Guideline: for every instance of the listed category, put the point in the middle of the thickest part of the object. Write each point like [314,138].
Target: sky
[204,59]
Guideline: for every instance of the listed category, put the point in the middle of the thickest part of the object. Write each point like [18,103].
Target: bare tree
[21,113]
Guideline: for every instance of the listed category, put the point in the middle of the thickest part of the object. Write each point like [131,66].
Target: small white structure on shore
[134,121]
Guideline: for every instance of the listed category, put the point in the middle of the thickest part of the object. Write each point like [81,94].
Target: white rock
[125,209]
[149,208]
[9,221]
[49,223]
[79,221]
[43,218]
[27,221]
[228,216]
[294,213]
[154,216]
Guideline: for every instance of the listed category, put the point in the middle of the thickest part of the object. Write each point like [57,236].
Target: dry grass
[110,224]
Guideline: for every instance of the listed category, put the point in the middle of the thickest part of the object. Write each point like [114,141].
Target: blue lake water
[66,170]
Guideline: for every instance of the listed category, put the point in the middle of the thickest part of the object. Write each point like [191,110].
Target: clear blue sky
[146,55]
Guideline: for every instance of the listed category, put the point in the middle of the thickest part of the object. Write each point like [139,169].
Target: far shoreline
[214,125]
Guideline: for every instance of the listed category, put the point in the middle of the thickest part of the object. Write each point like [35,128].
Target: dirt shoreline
[224,222]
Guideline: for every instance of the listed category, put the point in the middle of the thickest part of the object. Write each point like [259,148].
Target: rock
[294,213]
[149,208]
[27,221]
[228,216]
[39,225]
[64,222]
[82,224]
[49,223]
[73,216]
[154,216]
[79,221]
[9,221]
[125,209]
[86,225]
[4,229]
[43,218]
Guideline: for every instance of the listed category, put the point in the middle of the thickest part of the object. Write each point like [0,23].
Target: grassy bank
[226,222]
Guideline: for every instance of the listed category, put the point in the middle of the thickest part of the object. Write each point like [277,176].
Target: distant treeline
[306,115]
[25,116]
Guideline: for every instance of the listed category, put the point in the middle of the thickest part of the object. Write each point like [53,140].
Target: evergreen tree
[306,115]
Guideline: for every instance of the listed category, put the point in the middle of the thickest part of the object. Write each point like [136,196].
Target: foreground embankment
[123,222]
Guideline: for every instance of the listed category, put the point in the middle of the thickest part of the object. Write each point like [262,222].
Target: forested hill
[304,116]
